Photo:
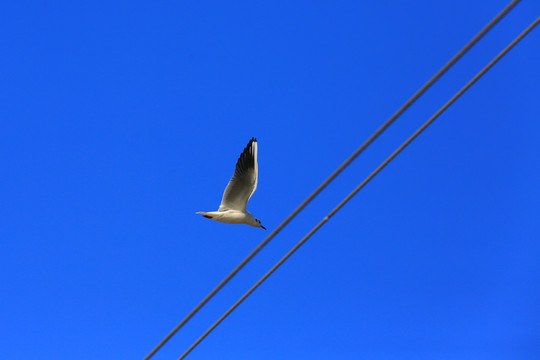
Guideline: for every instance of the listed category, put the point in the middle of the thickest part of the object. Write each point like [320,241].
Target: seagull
[239,190]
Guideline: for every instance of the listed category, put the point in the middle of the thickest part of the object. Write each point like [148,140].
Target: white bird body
[231,217]
[239,190]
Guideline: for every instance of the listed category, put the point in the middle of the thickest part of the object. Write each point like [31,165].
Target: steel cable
[357,152]
[359,187]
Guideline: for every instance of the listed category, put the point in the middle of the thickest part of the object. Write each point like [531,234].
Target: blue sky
[121,119]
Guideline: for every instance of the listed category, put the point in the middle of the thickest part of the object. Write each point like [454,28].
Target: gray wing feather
[244,181]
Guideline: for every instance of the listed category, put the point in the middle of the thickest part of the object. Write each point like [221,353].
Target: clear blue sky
[119,120]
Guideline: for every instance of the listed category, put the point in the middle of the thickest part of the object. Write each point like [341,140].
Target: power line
[346,163]
[363,183]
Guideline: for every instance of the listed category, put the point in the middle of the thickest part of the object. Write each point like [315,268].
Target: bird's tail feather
[206,215]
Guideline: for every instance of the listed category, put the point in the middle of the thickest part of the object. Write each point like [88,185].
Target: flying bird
[239,190]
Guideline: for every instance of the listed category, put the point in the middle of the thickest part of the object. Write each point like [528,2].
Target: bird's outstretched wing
[244,181]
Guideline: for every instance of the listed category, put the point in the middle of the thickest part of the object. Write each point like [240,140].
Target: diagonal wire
[363,183]
[357,152]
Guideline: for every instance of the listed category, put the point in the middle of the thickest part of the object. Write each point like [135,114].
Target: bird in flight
[239,190]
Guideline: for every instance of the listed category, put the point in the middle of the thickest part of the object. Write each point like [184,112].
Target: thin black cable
[372,138]
[359,187]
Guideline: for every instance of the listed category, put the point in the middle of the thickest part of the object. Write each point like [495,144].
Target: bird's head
[258,223]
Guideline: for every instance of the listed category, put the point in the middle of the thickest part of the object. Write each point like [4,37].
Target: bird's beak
[263,227]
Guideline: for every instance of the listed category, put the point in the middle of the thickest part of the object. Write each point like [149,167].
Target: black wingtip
[246,159]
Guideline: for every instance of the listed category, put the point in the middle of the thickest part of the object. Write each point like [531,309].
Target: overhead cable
[346,163]
[362,184]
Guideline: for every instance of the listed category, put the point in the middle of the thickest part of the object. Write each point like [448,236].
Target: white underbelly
[231,217]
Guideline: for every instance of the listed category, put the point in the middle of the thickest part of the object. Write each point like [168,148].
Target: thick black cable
[359,187]
[357,152]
